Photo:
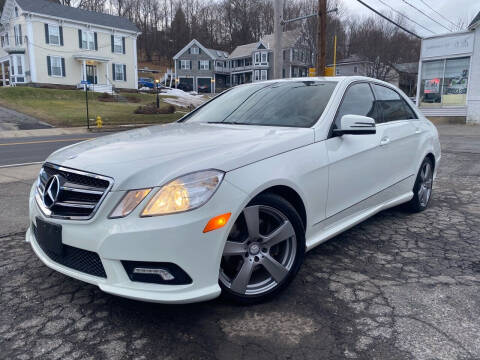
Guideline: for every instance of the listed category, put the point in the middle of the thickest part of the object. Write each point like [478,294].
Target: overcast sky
[453,10]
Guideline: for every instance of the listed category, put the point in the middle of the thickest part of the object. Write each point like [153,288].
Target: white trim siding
[31,52]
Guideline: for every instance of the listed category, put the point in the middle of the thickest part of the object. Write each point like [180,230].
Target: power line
[421,12]
[405,16]
[389,20]
[439,14]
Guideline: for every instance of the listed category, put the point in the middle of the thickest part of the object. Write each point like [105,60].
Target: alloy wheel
[426,182]
[260,251]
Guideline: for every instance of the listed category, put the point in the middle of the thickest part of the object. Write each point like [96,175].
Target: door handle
[418,130]
[384,141]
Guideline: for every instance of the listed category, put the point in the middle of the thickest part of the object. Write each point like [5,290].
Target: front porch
[96,73]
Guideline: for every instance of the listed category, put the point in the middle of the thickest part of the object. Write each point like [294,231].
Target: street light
[157,82]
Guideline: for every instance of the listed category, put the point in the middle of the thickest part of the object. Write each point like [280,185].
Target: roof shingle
[45,7]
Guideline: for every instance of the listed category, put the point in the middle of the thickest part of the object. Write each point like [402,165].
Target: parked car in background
[146,82]
[185,87]
[230,197]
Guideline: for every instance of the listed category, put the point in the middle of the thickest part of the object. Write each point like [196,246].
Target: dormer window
[194,50]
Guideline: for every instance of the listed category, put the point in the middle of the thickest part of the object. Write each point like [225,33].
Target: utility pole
[278,50]
[321,37]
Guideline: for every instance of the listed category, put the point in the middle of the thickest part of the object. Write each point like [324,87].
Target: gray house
[200,69]
[254,62]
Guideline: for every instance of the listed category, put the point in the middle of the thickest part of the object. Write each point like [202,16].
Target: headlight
[129,202]
[185,193]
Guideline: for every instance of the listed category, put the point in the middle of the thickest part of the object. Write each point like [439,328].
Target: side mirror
[355,125]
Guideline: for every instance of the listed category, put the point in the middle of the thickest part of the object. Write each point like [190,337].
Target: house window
[16,11]
[88,40]
[264,57]
[204,65]
[56,66]
[337,72]
[17,30]
[194,50]
[257,75]
[257,58]
[6,40]
[54,34]
[355,69]
[264,75]
[119,72]
[19,65]
[118,44]
[185,64]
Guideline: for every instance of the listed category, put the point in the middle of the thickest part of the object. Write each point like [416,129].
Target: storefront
[448,76]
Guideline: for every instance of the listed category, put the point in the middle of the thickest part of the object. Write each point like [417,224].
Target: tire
[263,252]
[422,190]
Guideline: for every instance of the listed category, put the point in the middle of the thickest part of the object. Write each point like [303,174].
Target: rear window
[289,103]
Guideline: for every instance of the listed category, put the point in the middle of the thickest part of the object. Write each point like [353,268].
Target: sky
[453,10]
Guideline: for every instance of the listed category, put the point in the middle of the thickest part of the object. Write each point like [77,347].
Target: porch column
[84,69]
[4,79]
[108,73]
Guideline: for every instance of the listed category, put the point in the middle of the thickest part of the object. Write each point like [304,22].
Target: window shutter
[113,43]
[60,30]
[209,65]
[20,33]
[95,38]
[124,72]
[49,67]
[199,64]
[47,35]
[79,38]
[123,44]
[191,67]
[64,74]
[113,72]
[189,50]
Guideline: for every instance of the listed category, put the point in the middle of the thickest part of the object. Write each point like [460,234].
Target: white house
[449,70]
[47,43]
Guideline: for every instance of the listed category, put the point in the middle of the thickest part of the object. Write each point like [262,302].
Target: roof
[214,54]
[410,68]
[49,8]
[289,39]
[475,22]
[353,59]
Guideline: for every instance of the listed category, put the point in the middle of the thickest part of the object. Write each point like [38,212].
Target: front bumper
[177,239]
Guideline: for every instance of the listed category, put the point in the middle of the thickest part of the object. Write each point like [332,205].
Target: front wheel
[264,250]
[422,190]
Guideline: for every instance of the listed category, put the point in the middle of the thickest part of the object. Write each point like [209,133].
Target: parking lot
[399,286]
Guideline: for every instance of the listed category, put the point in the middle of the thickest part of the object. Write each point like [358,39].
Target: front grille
[78,259]
[79,195]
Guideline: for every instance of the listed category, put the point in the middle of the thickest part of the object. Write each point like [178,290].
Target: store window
[444,82]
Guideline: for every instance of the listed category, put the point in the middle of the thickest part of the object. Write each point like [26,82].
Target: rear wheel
[422,190]
[264,250]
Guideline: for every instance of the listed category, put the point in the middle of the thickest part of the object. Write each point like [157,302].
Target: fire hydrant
[99,122]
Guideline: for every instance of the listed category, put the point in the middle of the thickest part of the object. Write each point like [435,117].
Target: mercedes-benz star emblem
[52,190]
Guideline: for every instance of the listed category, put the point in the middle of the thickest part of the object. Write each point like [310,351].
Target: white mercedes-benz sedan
[229,198]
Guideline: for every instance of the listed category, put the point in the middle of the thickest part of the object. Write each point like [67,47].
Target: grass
[67,107]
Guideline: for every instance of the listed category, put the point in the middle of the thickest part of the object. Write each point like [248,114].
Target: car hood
[152,156]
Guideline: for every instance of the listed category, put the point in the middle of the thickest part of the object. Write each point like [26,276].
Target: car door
[354,160]
[400,141]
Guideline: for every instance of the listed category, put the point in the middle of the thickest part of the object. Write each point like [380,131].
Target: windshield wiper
[227,122]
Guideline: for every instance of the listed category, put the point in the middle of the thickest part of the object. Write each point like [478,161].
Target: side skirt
[354,215]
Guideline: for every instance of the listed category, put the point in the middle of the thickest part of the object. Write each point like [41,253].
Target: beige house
[47,43]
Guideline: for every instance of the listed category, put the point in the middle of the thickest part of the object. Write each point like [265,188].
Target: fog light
[164,274]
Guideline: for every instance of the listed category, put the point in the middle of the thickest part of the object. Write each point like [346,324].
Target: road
[398,286]
[34,149]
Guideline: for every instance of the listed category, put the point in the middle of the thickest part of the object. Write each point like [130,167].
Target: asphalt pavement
[398,286]
[27,150]
[13,120]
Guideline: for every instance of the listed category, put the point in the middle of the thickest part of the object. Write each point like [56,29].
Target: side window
[393,106]
[358,100]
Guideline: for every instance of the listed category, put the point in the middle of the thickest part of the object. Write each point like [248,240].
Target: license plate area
[49,235]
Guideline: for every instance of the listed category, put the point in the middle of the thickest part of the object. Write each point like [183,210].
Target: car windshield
[285,103]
